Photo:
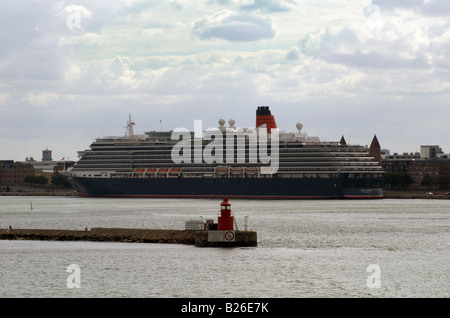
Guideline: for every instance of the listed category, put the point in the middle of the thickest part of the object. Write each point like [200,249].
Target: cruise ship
[254,163]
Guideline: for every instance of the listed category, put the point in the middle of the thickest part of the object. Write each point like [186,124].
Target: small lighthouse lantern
[226,220]
[225,207]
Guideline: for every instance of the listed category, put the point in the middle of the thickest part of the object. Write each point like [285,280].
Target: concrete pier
[190,237]
[241,238]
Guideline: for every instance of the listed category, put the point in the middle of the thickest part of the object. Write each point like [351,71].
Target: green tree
[389,179]
[444,181]
[398,180]
[427,181]
[41,180]
[59,181]
[406,180]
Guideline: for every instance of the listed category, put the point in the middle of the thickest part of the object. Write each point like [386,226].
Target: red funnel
[263,116]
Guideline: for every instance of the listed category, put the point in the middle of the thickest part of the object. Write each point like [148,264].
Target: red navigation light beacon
[225,220]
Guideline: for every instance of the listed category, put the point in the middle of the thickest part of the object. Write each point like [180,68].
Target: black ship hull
[251,188]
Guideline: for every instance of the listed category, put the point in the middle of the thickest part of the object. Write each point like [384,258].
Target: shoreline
[388,194]
[52,193]
[416,194]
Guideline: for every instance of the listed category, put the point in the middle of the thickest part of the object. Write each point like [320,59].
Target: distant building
[399,163]
[46,155]
[62,165]
[375,149]
[431,161]
[431,152]
[47,166]
[431,167]
[13,173]
[384,153]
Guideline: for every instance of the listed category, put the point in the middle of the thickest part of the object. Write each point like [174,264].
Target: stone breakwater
[190,237]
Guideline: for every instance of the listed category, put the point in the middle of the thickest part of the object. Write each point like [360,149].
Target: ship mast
[129,127]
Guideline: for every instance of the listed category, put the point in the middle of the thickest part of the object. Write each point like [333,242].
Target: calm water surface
[305,249]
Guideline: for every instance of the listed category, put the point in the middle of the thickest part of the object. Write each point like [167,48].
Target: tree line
[56,180]
[433,181]
[404,181]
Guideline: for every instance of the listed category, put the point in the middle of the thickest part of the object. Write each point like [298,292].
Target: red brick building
[429,169]
[435,168]
[13,173]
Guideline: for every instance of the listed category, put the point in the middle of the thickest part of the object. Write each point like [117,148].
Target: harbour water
[374,248]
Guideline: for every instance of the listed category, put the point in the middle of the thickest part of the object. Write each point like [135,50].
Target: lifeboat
[150,171]
[252,170]
[236,170]
[222,170]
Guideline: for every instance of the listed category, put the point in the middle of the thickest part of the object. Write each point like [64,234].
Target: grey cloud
[270,5]
[437,7]
[20,23]
[293,54]
[35,41]
[348,47]
[377,60]
[427,7]
[392,4]
[231,26]
[43,59]
[261,5]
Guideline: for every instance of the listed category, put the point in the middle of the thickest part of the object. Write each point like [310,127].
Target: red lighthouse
[226,220]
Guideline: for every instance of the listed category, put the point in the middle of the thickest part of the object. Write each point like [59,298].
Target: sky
[71,72]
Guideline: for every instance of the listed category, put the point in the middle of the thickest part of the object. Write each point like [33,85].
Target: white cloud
[41,99]
[4,98]
[328,65]
[233,26]
[404,50]
[270,5]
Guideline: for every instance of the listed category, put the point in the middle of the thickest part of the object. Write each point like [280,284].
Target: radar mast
[129,127]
